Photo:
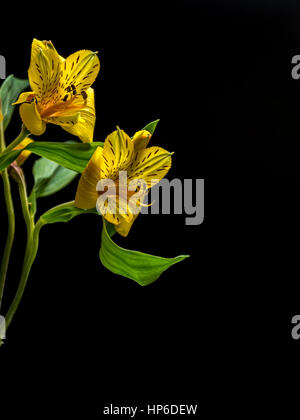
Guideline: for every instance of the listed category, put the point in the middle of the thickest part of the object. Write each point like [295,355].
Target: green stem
[29,246]
[10,232]
[11,220]
[31,252]
[25,205]
[22,136]
[29,220]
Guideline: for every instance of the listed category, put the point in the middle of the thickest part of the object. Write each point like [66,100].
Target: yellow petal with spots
[141,139]
[115,210]
[124,226]
[117,153]
[1,117]
[84,127]
[44,70]
[151,165]
[86,195]
[26,153]
[64,121]
[32,119]
[79,72]
[24,97]
[108,210]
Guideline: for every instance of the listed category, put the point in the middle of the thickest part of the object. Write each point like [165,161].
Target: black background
[215,329]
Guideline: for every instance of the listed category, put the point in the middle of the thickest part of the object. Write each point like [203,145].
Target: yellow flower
[121,153]
[25,154]
[61,91]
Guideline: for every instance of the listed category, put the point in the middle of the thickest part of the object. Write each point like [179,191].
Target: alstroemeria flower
[25,154]
[121,153]
[61,91]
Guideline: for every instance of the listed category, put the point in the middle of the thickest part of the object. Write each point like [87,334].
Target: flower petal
[125,225]
[151,165]
[79,72]
[84,127]
[26,153]
[116,211]
[117,153]
[86,195]
[141,139]
[44,70]
[32,119]
[66,121]
[24,97]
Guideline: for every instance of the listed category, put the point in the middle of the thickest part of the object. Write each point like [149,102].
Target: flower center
[56,109]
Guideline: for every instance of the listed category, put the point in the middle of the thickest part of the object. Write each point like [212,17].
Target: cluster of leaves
[58,165]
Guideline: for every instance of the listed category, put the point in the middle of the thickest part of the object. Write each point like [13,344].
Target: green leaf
[151,126]
[135,265]
[49,177]
[64,213]
[74,156]
[6,158]
[110,228]
[9,93]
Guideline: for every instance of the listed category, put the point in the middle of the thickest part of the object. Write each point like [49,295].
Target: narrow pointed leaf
[151,126]
[74,156]
[135,265]
[64,213]
[6,158]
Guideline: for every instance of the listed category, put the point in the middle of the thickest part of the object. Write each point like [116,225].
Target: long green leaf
[64,213]
[138,266]
[135,265]
[74,156]
[6,158]
[9,92]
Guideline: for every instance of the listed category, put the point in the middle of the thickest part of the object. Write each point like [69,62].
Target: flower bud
[141,139]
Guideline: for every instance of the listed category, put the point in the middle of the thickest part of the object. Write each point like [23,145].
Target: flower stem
[24,202]
[10,232]
[31,249]
[19,176]
[31,252]
[23,134]
[11,220]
